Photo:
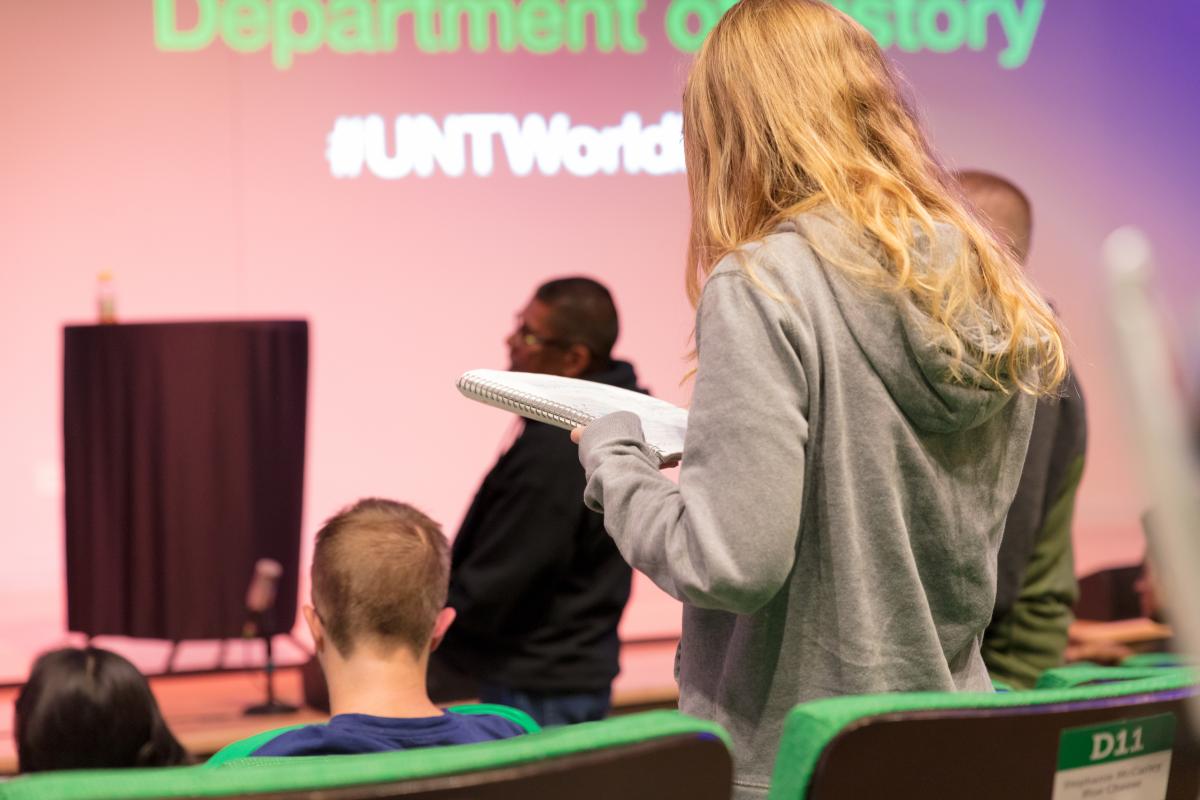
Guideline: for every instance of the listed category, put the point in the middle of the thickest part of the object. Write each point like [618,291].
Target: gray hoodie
[836,522]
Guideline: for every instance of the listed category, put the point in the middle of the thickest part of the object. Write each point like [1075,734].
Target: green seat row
[822,750]
[248,776]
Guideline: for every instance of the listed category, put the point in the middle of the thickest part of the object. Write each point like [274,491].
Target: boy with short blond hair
[379,580]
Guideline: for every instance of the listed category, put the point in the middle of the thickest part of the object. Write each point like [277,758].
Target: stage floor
[205,711]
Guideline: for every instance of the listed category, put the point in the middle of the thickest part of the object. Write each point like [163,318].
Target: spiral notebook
[570,402]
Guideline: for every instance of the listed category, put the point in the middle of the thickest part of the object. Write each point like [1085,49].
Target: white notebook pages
[571,402]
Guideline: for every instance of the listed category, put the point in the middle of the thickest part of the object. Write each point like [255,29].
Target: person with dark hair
[582,313]
[90,709]
[538,585]
[379,576]
[1035,576]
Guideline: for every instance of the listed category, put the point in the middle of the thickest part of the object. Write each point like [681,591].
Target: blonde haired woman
[868,362]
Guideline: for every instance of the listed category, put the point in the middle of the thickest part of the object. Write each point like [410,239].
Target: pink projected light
[404,182]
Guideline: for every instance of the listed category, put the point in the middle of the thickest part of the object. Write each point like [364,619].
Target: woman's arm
[725,537]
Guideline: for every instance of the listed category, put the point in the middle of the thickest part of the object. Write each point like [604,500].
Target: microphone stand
[272,706]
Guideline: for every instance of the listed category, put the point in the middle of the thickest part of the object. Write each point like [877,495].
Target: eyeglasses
[531,339]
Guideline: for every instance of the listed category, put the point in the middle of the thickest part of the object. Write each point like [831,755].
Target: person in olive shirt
[1035,586]
[537,584]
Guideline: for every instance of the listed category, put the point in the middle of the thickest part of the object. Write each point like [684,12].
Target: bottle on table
[106,299]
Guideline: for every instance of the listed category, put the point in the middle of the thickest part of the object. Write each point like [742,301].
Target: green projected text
[291,28]
[943,26]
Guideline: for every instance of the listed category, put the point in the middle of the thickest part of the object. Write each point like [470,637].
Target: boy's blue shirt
[347,734]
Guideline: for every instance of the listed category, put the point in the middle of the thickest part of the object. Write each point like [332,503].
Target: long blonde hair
[791,106]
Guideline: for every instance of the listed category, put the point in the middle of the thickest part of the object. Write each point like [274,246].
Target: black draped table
[184,463]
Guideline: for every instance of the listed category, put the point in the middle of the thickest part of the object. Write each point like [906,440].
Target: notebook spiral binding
[523,403]
[528,405]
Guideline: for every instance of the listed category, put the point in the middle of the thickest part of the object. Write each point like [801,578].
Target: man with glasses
[537,584]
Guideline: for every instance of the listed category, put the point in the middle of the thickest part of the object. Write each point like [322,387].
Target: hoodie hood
[899,340]
[618,373]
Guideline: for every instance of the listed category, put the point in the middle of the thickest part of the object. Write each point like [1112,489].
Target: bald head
[1004,207]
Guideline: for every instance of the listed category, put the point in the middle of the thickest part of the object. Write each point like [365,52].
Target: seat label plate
[1125,760]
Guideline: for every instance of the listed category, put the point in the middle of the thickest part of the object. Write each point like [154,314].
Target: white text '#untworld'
[472,144]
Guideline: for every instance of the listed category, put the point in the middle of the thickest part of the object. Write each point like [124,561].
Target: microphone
[260,602]
[260,594]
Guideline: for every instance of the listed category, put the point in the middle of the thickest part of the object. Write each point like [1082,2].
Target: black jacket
[538,585]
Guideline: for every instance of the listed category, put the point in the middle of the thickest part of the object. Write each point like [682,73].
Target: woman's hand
[577,435]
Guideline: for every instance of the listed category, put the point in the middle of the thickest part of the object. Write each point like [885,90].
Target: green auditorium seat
[1060,743]
[1155,660]
[1087,674]
[658,754]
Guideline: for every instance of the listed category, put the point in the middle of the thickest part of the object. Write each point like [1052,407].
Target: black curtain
[184,463]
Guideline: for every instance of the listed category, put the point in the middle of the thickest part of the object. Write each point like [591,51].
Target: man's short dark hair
[381,571]
[582,312]
[1007,209]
